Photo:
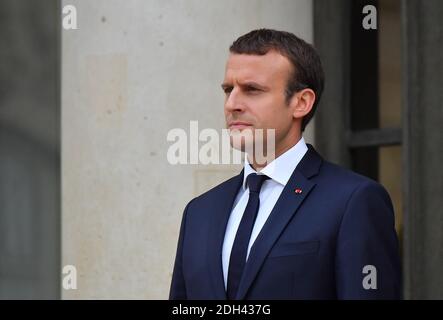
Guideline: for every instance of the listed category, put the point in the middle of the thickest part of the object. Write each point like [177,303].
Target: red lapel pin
[298,191]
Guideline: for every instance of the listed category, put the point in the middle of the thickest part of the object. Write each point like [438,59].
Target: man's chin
[241,140]
[239,145]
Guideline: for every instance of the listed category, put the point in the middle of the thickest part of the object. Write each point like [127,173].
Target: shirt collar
[281,168]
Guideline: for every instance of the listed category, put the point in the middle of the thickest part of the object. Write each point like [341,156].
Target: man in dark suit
[297,227]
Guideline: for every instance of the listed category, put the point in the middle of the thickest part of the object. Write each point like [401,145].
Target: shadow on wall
[29,150]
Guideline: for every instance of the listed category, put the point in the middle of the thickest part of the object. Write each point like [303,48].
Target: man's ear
[302,103]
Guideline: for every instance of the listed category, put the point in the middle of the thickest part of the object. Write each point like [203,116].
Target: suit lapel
[221,210]
[285,208]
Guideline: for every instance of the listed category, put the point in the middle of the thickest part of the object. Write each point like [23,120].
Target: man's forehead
[268,65]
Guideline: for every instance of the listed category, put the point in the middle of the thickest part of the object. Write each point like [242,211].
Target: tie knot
[255,182]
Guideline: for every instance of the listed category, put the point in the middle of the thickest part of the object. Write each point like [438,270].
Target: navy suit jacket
[314,245]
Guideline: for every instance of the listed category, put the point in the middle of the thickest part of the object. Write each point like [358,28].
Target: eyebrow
[225,85]
[245,84]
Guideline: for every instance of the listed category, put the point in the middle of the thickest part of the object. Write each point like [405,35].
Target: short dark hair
[307,68]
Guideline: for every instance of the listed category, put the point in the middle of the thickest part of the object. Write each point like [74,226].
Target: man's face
[255,86]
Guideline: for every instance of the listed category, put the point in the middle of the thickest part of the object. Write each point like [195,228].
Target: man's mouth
[239,125]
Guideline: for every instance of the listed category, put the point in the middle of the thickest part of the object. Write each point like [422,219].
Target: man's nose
[234,102]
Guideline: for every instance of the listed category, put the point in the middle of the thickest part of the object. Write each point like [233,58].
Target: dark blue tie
[239,250]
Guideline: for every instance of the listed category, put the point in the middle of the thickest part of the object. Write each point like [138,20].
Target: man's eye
[252,89]
[227,90]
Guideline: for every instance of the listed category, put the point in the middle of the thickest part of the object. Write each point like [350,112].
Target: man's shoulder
[216,192]
[332,171]
[340,177]
[329,174]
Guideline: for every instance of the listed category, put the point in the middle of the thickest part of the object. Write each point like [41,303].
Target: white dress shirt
[279,171]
